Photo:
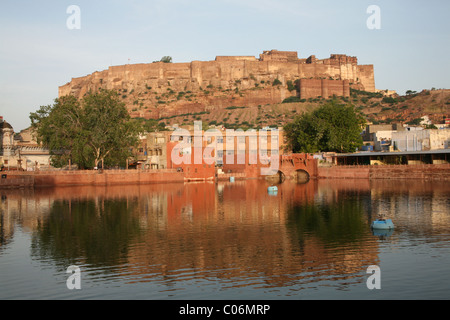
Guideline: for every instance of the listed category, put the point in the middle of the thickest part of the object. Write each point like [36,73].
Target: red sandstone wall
[344,172]
[113,177]
[416,172]
[312,88]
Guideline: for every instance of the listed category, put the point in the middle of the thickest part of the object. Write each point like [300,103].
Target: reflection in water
[99,230]
[231,235]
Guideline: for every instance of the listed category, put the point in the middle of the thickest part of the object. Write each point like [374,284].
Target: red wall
[417,172]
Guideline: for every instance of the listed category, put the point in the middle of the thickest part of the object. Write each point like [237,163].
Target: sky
[40,50]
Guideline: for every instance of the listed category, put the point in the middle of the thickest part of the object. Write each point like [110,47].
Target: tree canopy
[165,59]
[88,131]
[331,127]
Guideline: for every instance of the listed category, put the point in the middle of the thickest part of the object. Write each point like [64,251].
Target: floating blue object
[272,189]
[382,233]
[231,179]
[383,224]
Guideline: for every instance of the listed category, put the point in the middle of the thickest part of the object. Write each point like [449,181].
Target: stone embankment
[15,179]
[437,172]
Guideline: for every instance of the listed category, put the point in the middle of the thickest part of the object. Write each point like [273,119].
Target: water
[226,241]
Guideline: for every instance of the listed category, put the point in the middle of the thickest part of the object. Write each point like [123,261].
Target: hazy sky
[39,53]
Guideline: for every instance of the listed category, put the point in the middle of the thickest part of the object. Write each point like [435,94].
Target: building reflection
[227,231]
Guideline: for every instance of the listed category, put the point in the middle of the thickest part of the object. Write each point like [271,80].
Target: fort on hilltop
[153,90]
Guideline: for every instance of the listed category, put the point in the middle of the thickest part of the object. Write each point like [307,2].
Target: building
[20,151]
[421,140]
[157,150]
[236,77]
[441,156]
[231,151]
[379,136]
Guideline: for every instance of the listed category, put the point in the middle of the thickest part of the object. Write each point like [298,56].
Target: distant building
[425,121]
[371,130]
[20,151]
[380,135]
[157,150]
[421,140]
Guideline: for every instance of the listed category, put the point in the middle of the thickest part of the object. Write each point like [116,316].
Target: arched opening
[301,176]
[278,177]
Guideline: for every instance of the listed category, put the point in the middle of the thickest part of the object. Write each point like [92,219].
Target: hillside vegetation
[376,107]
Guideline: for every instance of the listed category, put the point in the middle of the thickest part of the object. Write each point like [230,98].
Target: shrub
[389,100]
[292,99]
[290,86]
[276,82]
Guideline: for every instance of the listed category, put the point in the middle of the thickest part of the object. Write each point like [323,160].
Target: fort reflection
[305,233]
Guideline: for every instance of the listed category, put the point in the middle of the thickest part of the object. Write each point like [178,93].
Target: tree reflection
[337,223]
[95,231]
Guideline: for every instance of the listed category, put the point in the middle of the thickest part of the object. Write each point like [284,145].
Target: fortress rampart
[227,74]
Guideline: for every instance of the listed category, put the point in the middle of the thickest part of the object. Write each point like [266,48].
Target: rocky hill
[403,109]
[377,108]
[246,92]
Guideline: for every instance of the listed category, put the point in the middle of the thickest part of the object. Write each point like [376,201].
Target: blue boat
[382,233]
[383,224]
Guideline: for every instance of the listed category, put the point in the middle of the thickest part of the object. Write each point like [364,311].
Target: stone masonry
[226,81]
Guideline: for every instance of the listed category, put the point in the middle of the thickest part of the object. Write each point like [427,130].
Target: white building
[421,140]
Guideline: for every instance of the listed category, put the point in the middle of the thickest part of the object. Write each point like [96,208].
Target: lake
[226,241]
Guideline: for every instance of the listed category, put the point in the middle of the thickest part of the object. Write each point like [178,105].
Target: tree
[58,128]
[415,122]
[95,129]
[153,125]
[331,127]
[165,59]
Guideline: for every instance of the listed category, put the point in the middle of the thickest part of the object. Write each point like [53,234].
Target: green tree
[58,128]
[166,59]
[331,127]
[89,131]
[415,122]
[152,125]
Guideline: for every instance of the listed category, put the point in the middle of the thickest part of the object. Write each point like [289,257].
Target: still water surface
[230,241]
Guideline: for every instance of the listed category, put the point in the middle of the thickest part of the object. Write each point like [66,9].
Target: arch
[278,177]
[301,176]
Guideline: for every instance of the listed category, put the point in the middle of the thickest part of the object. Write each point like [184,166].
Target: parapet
[282,56]
[235,58]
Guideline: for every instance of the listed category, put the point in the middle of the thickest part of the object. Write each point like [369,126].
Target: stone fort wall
[231,73]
